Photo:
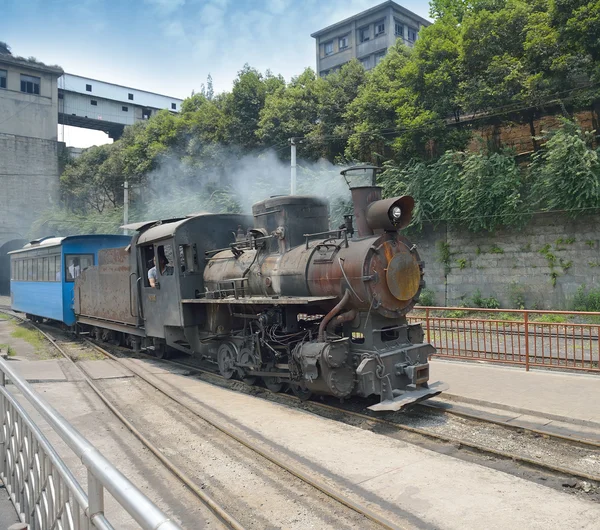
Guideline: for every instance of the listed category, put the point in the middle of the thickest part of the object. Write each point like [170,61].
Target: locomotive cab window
[147,257]
[166,259]
[76,263]
[188,258]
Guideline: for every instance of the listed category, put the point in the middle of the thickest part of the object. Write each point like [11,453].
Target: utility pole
[293,160]
[125,205]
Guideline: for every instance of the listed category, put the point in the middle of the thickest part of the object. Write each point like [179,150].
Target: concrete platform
[560,402]
[421,488]
[39,371]
[104,369]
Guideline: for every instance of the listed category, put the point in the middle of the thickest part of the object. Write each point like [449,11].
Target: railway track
[375,519]
[398,422]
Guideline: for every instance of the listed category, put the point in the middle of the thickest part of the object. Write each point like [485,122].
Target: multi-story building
[366,36]
[29,161]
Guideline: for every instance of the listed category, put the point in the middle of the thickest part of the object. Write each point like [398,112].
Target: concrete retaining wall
[544,263]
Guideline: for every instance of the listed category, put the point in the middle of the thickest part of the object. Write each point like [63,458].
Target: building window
[94,103]
[324,73]
[364,34]
[3,74]
[328,47]
[379,57]
[379,27]
[365,61]
[343,42]
[130,96]
[125,109]
[30,84]
[174,106]
[61,95]
[398,29]
[412,34]
[146,113]
[88,88]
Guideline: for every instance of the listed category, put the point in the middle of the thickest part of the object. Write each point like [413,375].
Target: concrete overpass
[93,104]
[34,99]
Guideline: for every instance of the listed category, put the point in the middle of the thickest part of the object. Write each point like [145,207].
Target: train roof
[53,241]
[168,228]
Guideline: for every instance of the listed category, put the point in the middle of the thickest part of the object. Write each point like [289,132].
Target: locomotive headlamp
[390,214]
[395,214]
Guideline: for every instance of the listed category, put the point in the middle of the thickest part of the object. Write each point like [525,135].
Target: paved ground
[561,396]
[423,488]
[549,401]
[8,514]
[426,489]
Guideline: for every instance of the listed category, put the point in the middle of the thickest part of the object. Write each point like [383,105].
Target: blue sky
[170,46]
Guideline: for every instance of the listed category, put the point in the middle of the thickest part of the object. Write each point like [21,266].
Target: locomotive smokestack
[362,181]
[371,213]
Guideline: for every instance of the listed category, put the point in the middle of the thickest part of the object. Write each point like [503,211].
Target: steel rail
[541,432]
[570,439]
[440,437]
[459,442]
[230,521]
[414,430]
[290,468]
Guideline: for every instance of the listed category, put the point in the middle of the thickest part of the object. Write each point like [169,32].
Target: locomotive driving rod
[331,314]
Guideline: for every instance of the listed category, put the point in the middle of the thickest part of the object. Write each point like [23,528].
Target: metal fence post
[526,320]
[95,496]
[427,325]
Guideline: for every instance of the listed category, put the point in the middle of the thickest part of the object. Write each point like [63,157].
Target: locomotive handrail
[47,485]
[130,295]
[339,233]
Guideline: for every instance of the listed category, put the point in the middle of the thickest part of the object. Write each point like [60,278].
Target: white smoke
[234,182]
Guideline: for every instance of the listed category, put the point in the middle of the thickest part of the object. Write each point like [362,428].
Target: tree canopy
[480,62]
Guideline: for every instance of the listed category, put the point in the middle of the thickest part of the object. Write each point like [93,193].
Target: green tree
[291,111]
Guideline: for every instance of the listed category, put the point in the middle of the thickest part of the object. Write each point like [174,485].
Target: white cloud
[174,30]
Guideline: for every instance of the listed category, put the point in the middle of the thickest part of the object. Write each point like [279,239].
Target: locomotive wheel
[273,384]
[226,358]
[247,357]
[301,392]
[160,350]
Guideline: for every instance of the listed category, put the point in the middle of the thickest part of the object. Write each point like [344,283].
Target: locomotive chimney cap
[361,176]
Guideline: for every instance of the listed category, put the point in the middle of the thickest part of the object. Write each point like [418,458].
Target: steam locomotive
[276,295]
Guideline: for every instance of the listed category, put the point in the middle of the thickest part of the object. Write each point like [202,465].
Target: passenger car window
[76,263]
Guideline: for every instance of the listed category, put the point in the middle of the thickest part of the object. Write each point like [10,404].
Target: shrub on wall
[566,172]
[485,191]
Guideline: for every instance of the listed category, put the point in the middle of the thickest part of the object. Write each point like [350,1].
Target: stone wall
[544,262]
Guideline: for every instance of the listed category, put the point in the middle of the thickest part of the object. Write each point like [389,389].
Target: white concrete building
[366,36]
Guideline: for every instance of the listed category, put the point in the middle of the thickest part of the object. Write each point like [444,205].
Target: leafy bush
[427,297]
[484,303]
[586,300]
[516,295]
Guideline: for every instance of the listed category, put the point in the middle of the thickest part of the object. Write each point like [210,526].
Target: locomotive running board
[410,396]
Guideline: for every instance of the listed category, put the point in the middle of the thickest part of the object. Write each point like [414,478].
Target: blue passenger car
[43,273]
